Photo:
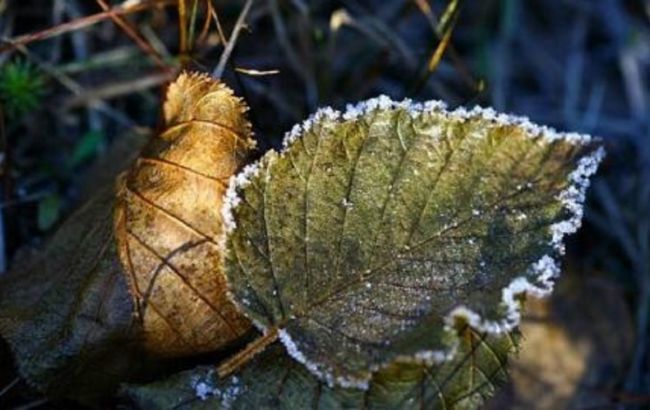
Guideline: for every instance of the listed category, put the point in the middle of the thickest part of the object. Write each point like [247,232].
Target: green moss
[21,88]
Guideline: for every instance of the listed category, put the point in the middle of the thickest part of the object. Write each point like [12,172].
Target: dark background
[576,65]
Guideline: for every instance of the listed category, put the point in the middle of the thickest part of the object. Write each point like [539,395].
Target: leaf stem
[253,349]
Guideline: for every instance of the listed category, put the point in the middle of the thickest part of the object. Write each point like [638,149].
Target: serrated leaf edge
[538,281]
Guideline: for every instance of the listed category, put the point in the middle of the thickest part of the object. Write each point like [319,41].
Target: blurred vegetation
[70,90]
[21,88]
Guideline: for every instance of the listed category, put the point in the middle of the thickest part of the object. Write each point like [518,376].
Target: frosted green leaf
[373,230]
[274,380]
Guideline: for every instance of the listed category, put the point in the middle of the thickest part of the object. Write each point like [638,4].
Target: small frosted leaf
[377,229]
[274,380]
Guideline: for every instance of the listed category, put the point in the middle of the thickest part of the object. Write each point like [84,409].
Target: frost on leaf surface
[374,230]
[274,380]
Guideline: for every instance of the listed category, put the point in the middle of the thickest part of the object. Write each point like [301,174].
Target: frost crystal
[317,370]
[230,393]
[431,357]
[231,198]
[574,196]
[416,109]
[326,113]
[204,388]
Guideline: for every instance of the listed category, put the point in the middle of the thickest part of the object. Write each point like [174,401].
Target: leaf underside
[67,314]
[363,234]
[274,380]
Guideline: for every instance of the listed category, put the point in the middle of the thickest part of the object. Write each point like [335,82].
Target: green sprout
[21,88]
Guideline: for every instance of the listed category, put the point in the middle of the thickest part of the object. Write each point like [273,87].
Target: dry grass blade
[206,23]
[218,71]
[32,405]
[443,31]
[440,50]
[182,26]
[82,23]
[215,16]
[133,34]
[75,87]
[258,73]
[9,386]
[449,16]
[116,89]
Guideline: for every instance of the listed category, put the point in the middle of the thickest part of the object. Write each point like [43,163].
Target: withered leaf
[168,221]
[67,313]
[136,273]
[376,229]
[274,380]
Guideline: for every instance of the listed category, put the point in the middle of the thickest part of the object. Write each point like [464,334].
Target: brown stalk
[117,89]
[133,34]
[444,43]
[253,349]
[182,27]
[206,23]
[81,23]
[218,71]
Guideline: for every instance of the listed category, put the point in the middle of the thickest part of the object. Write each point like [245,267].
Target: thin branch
[218,71]
[81,23]
[182,26]
[116,89]
[215,17]
[256,73]
[9,386]
[32,405]
[74,87]
[133,34]
[207,22]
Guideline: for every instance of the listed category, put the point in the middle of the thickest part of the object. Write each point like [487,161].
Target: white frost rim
[542,273]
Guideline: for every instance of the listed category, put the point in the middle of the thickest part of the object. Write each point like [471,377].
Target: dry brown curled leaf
[168,220]
[136,273]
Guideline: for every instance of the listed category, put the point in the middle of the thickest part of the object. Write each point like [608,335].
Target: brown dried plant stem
[82,23]
[218,71]
[254,348]
[133,34]
[182,29]
[117,89]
